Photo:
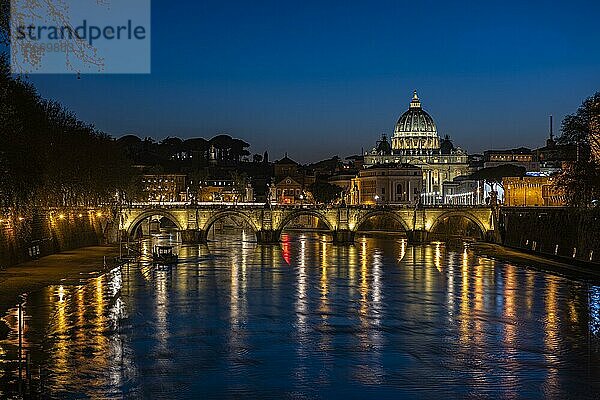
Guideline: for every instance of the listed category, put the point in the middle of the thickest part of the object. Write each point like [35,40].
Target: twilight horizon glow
[318,80]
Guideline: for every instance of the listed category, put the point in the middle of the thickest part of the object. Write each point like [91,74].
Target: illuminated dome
[415,129]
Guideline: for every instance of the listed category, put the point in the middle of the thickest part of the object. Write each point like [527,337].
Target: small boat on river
[164,255]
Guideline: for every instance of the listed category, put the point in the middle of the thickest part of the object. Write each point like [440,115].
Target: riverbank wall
[41,233]
[558,232]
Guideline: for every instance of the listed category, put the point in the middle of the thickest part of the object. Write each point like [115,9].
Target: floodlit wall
[565,232]
[29,237]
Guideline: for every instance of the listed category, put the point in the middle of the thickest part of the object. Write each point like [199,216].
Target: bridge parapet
[269,221]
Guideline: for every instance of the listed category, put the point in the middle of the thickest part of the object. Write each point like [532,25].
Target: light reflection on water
[311,319]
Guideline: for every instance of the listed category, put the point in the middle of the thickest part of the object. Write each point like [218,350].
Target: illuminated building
[223,190]
[289,191]
[385,184]
[522,157]
[465,191]
[348,182]
[532,191]
[164,187]
[291,182]
[415,141]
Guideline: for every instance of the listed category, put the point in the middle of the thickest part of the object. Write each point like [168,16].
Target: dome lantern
[415,102]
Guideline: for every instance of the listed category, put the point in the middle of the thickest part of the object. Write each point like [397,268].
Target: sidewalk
[35,275]
[539,262]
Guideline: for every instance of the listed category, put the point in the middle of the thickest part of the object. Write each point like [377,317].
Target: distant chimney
[550,142]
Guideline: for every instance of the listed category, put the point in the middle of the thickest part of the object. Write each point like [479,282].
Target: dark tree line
[581,179]
[494,175]
[325,192]
[193,151]
[48,157]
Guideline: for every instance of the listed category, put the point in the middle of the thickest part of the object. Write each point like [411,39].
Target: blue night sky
[315,79]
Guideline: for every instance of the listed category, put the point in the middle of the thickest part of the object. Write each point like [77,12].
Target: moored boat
[164,255]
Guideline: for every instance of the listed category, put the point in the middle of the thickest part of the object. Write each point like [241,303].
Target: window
[399,188]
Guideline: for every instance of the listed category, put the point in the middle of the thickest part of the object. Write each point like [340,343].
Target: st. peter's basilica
[416,141]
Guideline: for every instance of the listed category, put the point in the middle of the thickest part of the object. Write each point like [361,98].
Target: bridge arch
[229,213]
[377,213]
[298,213]
[133,225]
[464,214]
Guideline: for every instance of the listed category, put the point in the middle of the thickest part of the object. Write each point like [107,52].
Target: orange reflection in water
[324,304]
[364,286]
[510,328]
[58,329]
[552,334]
[301,312]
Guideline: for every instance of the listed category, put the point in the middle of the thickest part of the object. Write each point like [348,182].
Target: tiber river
[308,319]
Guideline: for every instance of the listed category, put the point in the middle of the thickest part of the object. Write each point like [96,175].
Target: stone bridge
[194,221]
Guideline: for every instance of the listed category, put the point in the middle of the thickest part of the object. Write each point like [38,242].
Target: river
[307,319]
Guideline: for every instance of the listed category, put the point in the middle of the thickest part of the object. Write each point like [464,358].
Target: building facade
[465,191]
[416,142]
[292,183]
[223,190]
[164,187]
[532,191]
[553,157]
[522,157]
[289,191]
[386,184]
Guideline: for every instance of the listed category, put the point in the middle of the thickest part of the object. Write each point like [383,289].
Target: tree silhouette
[581,179]
[49,158]
[325,192]
[494,175]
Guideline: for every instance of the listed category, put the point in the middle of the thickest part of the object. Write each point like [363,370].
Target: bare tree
[4,22]
[27,54]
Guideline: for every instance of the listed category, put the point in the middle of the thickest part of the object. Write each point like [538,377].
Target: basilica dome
[415,129]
